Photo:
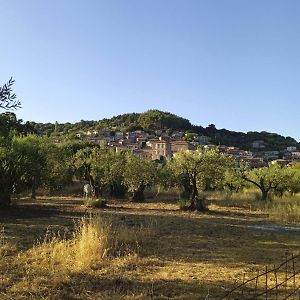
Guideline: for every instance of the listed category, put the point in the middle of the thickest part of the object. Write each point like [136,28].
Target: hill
[153,120]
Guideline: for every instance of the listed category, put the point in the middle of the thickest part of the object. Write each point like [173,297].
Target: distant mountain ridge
[154,120]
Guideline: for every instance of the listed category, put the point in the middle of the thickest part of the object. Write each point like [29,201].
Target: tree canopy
[200,171]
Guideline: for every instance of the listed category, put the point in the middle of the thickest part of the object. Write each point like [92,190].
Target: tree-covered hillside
[153,120]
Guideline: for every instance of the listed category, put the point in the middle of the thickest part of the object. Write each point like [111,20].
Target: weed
[95,203]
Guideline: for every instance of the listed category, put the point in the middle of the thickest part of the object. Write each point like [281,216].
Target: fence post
[294,273]
[276,282]
[256,283]
[286,274]
[243,285]
[266,282]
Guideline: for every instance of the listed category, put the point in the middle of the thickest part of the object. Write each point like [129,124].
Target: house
[296,155]
[177,146]
[160,149]
[254,162]
[158,132]
[99,140]
[145,153]
[121,148]
[281,162]
[203,140]
[106,132]
[210,146]
[177,135]
[91,132]
[243,153]
[259,144]
[131,137]
[233,151]
[271,155]
[141,140]
[291,149]
[119,135]
[222,148]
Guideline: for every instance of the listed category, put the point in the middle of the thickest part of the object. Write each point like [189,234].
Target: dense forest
[154,120]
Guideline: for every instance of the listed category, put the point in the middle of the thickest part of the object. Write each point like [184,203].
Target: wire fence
[277,283]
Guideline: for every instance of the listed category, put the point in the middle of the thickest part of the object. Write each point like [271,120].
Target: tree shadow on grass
[185,238]
[87,286]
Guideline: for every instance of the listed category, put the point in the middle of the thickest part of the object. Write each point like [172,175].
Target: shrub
[96,203]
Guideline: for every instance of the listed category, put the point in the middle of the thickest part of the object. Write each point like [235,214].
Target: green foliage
[107,169]
[244,141]
[232,180]
[158,120]
[33,164]
[200,171]
[138,175]
[271,178]
[10,173]
[189,137]
[82,164]
[95,203]
[155,119]
[8,99]
[10,126]
[58,173]
[41,163]
[102,168]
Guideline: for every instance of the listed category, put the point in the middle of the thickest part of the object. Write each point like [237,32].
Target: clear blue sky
[233,63]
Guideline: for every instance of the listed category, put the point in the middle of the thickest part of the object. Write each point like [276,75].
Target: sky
[232,63]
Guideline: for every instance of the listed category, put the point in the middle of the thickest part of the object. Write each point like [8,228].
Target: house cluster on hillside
[160,145]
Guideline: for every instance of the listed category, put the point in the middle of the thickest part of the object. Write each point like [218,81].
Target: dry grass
[134,251]
[88,245]
[285,210]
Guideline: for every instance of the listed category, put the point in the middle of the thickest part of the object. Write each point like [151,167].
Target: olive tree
[107,168]
[138,175]
[200,170]
[232,180]
[82,165]
[267,179]
[58,171]
[10,173]
[33,162]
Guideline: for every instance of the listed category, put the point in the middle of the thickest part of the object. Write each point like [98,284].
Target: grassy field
[133,251]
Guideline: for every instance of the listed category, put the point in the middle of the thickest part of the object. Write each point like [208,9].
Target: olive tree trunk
[138,194]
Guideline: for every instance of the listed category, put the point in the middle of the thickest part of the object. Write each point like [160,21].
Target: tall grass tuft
[94,240]
[5,246]
[285,210]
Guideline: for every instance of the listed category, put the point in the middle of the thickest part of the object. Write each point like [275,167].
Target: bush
[96,203]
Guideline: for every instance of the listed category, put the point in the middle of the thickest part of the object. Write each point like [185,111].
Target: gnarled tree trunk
[138,194]
[196,202]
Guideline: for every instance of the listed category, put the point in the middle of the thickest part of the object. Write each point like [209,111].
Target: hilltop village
[155,135]
[160,145]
